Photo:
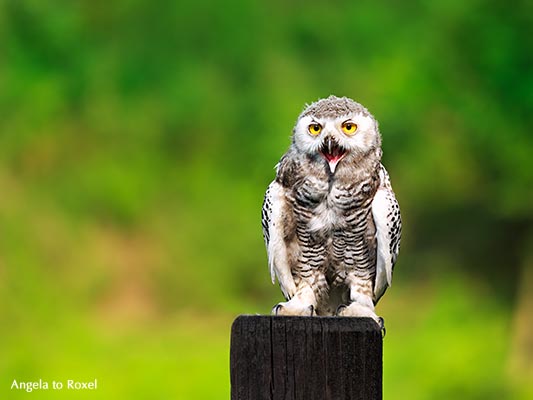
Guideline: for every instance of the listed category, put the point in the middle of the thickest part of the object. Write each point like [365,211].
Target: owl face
[335,129]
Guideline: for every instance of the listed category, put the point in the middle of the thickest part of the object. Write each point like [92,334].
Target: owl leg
[361,304]
[302,303]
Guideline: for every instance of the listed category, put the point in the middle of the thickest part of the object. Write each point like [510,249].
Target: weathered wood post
[307,358]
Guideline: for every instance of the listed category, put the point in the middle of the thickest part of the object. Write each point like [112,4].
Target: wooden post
[307,358]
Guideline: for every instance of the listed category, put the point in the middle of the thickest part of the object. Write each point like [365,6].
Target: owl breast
[333,224]
[328,225]
[327,206]
[332,220]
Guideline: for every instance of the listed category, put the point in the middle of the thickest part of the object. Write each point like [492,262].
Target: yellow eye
[349,127]
[315,129]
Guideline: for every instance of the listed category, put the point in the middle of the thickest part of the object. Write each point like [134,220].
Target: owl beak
[332,152]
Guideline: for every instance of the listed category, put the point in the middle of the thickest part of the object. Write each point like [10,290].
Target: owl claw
[276,309]
[381,323]
[340,309]
[355,309]
[289,309]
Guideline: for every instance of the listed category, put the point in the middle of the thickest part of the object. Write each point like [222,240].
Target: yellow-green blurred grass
[443,343]
[443,346]
[181,359]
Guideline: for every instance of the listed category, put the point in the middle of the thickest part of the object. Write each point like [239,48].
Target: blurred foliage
[137,139]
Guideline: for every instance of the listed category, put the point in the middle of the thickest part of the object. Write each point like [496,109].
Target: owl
[331,222]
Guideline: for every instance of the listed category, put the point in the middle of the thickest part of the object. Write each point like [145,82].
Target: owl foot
[382,326]
[355,309]
[293,309]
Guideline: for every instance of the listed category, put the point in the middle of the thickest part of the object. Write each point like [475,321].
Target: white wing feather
[272,219]
[386,213]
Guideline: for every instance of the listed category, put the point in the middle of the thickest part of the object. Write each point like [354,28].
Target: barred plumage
[330,219]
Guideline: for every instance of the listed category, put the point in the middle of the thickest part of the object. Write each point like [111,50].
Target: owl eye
[315,129]
[349,128]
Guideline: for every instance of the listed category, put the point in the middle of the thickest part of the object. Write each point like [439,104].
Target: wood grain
[305,358]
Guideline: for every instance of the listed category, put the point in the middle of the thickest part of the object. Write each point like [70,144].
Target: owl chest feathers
[326,206]
[323,205]
[320,205]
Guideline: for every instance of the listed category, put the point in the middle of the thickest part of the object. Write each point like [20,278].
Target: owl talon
[340,309]
[355,309]
[289,308]
[381,323]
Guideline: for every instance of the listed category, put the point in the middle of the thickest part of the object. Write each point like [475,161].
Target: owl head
[336,129]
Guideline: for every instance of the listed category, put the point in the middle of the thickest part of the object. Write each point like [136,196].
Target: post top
[342,324]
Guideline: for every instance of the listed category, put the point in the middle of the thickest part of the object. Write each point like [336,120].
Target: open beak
[332,152]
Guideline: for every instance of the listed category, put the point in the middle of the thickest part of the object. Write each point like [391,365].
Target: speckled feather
[333,107]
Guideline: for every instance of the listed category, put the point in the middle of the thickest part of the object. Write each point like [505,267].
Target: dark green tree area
[137,139]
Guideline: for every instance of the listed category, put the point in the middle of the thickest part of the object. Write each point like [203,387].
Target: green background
[137,139]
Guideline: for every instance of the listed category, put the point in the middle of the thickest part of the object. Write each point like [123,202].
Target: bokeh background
[137,139]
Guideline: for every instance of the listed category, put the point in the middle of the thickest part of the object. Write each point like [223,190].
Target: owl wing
[386,213]
[273,222]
